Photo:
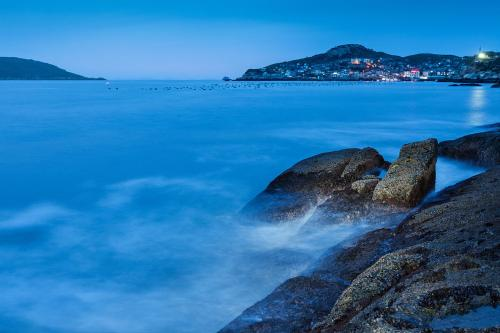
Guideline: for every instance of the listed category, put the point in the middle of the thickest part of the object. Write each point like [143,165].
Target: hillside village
[353,62]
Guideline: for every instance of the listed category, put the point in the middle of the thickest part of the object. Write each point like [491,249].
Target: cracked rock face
[306,184]
[411,177]
[482,149]
[445,260]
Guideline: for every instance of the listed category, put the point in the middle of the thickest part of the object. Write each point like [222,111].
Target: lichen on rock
[411,176]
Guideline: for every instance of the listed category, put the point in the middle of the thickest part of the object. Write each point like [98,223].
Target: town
[344,63]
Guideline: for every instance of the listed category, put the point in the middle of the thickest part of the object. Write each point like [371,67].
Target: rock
[444,260]
[371,284]
[482,149]
[350,206]
[466,85]
[300,302]
[496,85]
[441,260]
[411,177]
[361,162]
[365,186]
[311,181]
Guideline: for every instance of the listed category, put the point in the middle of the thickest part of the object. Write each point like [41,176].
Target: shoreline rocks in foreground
[300,302]
[411,177]
[346,181]
[306,184]
[482,149]
[442,260]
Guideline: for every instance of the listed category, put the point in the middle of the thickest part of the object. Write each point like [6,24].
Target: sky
[187,39]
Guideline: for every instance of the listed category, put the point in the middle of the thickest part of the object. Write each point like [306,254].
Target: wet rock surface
[411,177]
[300,302]
[482,149]
[444,260]
[306,184]
[350,206]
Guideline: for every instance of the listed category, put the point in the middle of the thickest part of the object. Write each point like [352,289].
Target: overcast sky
[186,39]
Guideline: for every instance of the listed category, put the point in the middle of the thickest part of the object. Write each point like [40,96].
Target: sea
[119,200]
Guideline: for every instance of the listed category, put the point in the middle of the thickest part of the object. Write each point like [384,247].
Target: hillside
[12,68]
[356,62]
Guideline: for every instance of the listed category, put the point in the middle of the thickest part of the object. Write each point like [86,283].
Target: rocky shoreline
[438,257]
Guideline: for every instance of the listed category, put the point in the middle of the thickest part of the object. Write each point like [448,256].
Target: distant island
[12,68]
[354,62]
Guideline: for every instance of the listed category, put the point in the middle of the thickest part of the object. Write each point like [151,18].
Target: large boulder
[482,149]
[443,262]
[311,181]
[411,177]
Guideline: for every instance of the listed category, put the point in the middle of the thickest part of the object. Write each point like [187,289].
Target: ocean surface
[119,200]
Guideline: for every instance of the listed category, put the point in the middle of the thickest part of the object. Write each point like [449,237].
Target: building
[412,74]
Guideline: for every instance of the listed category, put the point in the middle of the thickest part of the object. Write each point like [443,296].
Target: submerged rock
[482,149]
[465,85]
[308,183]
[411,177]
[444,260]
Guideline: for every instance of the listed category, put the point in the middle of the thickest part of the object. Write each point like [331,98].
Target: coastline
[485,81]
[434,263]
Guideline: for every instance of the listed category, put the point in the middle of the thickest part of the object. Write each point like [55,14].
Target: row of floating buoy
[255,85]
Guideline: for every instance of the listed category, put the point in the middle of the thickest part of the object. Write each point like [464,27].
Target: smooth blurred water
[118,202]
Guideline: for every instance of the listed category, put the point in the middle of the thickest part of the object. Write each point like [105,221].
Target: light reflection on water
[117,207]
[477,103]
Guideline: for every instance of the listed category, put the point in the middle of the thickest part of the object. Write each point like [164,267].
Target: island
[12,68]
[354,62]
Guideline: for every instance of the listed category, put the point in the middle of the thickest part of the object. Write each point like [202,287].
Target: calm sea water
[118,202]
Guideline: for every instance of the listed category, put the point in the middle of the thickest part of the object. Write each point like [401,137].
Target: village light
[482,56]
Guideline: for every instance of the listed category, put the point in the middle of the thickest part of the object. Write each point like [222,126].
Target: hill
[12,68]
[356,62]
